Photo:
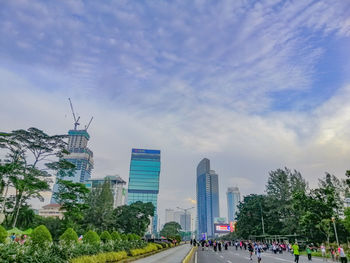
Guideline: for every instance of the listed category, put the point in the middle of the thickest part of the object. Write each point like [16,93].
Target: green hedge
[69,236]
[149,248]
[41,236]
[91,237]
[3,235]
[101,258]
[105,236]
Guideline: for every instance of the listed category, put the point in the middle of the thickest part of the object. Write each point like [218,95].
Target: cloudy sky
[251,85]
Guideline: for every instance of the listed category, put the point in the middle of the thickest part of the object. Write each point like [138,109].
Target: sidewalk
[171,255]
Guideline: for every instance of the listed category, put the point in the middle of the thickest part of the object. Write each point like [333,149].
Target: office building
[117,187]
[79,155]
[144,179]
[233,199]
[207,199]
[169,215]
[179,217]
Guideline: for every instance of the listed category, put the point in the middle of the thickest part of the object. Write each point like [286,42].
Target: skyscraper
[144,179]
[79,155]
[233,199]
[207,198]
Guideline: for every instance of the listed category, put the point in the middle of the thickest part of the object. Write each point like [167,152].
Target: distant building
[144,179]
[233,199]
[179,217]
[117,188]
[80,155]
[51,210]
[207,198]
[169,215]
[347,202]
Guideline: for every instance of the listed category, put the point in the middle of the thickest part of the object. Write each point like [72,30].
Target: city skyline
[251,86]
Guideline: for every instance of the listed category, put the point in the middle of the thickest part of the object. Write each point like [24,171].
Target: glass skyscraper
[79,155]
[144,179]
[207,198]
[233,199]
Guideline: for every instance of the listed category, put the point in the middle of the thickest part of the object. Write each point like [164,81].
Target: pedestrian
[191,241]
[323,252]
[250,249]
[203,241]
[13,237]
[215,246]
[296,253]
[236,245]
[226,245]
[332,251]
[258,252]
[342,255]
[220,246]
[308,251]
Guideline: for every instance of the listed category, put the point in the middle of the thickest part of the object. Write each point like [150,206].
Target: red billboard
[222,228]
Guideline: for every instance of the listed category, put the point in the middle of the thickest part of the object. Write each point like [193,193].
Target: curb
[189,256]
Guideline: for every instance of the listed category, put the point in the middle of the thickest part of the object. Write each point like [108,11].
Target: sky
[252,85]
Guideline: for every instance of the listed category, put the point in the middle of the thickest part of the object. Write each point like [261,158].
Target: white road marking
[229,261]
[222,256]
[195,258]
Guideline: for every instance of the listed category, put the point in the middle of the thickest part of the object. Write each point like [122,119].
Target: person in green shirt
[308,251]
[295,248]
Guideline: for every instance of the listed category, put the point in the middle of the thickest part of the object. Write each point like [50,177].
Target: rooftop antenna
[87,126]
[76,121]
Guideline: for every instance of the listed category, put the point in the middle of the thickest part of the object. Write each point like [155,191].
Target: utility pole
[335,230]
[262,220]
[185,210]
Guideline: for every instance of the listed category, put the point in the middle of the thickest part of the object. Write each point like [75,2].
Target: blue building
[80,155]
[144,179]
[207,199]
[233,199]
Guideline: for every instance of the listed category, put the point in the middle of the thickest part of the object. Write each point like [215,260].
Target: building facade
[79,155]
[117,188]
[144,179]
[51,210]
[233,199]
[184,219]
[207,198]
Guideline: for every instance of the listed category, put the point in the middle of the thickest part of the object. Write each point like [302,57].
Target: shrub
[115,236]
[101,258]
[140,251]
[41,235]
[105,236]
[3,234]
[91,237]
[69,236]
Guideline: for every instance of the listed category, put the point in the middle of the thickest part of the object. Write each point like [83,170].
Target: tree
[26,151]
[133,218]
[100,212]
[170,230]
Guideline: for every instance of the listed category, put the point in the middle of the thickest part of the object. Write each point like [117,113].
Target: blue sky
[240,82]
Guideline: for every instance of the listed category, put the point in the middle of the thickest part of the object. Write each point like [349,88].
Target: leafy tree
[115,236]
[171,229]
[26,150]
[100,212]
[133,218]
[41,236]
[53,224]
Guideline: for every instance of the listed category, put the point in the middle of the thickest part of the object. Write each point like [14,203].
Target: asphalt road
[242,256]
[172,255]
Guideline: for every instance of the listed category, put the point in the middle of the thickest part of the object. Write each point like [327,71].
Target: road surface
[242,256]
[172,255]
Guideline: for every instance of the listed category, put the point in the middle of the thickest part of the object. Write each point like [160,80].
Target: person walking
[259,250]
[296,253]
[251,250]
[343,258]
[220,246]
[215,246]
[308,251]
[323,252]
[332,251]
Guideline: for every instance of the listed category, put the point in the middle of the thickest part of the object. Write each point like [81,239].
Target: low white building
[51,210]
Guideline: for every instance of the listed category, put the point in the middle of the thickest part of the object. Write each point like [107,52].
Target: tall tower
[144,179]
[207,198]
[233,199]
[79,154]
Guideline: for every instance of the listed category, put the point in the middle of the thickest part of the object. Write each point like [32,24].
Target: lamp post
[185,210]
[335,230]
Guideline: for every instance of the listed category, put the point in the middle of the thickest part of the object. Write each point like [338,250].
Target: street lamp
[185,210]
[335,230]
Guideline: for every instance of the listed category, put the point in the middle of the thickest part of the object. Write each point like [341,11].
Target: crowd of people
[257,248]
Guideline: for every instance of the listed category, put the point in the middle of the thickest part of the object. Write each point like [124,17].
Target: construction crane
[76,121]
[87,126]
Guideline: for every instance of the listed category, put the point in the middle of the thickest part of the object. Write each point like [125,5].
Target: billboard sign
[222,228]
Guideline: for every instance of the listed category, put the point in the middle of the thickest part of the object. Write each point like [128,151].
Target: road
[242,256]
[172,255]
